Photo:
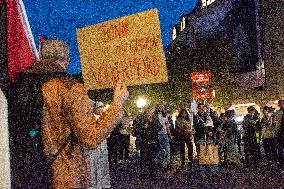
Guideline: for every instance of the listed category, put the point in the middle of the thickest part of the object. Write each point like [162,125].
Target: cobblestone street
[126,176]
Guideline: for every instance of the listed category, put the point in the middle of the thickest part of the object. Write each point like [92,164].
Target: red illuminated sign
[201,85]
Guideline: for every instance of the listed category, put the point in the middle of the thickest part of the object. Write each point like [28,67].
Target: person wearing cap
[279,119]
[251,125]
[66,108]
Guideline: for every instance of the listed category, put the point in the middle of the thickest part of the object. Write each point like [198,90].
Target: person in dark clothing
[184,129]
[150,144]
[279,119]
[251,125]
[113,145]
[173,139]
[137,129]
[199,124]
[220,134]
[124,139]
[268,126]
[123,149]
[231,155]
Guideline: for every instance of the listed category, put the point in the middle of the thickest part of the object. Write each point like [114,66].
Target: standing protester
[220,135]
[268,126]
[113,145]
[279,119]
[251,125]
[212,115]
[99,157]
[58,123]
[150,144]
[199,126]
[174,135]
[239,137]
[231,155]
[184,130]
[137,128]
[124,139]
[164,155]
[202,124]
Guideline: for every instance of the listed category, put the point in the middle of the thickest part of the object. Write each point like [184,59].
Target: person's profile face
[201,108]
[281,104]
[251,112]
[265,112]
[183,114]
[150,114]
[161,108]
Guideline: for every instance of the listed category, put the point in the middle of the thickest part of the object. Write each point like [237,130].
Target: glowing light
[107,106]
[141,103]
[239,118]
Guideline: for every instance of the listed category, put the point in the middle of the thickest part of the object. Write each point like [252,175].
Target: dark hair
[199,105]
[265,108]
[229,113]
[269,109]
[251,108]
[181,112]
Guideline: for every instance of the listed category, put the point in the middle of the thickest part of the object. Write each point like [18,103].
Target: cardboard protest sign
[128,48]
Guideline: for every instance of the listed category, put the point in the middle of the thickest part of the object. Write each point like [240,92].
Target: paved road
[126,176]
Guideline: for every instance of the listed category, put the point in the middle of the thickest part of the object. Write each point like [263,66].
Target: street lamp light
[141,103]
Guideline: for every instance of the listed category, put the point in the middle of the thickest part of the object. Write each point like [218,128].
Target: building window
[182,24]
[261,67]
[205,3]
[174,35]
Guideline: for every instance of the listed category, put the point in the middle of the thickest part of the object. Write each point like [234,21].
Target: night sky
[60,18]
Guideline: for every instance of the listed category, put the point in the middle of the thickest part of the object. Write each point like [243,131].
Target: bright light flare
[141,103]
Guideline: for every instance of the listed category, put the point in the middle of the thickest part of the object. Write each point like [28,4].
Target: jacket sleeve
[157,123]
[90,132]
[245,123]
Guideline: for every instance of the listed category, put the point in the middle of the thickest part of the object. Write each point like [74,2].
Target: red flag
[21,49]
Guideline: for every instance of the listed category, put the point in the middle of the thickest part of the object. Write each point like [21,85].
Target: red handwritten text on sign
[135,69]
[127,48]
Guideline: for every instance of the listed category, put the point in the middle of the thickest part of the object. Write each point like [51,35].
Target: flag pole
[27,27]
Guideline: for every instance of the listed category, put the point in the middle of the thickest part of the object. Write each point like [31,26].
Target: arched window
[205,3]
[182,24]
[174,35]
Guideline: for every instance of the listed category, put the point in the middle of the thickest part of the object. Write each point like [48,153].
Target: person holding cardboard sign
[63,123]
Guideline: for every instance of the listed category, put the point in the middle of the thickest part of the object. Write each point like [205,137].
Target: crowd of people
[159,138]
[59,138]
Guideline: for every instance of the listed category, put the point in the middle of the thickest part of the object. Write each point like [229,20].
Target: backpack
[30,168]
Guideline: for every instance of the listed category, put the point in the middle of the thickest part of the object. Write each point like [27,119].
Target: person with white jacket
[99,157]
[5,181]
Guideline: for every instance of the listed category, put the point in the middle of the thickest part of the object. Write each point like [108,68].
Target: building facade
[240,41]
